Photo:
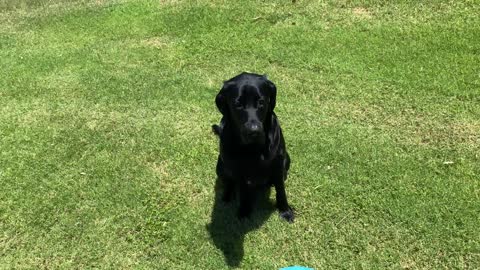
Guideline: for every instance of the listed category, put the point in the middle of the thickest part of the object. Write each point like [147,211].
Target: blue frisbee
[296,268]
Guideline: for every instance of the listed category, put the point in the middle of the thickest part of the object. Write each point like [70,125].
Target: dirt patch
[468,133]
[159,168]
[362,13]
[155,42]
[169,2]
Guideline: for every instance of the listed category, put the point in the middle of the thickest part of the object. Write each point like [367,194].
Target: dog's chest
[255,169]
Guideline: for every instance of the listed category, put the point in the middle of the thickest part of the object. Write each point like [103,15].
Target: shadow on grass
[227,232]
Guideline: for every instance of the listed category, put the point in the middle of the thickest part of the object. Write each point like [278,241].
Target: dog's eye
[261,102]
[238,105]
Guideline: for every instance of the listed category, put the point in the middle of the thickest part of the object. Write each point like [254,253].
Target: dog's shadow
[228,232]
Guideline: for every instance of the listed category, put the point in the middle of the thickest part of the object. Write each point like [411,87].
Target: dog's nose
[253,128]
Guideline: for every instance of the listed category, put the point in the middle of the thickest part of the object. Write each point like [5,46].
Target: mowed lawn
[107,159]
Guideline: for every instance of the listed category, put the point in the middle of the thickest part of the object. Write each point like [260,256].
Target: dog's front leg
[286,211]
[246,201]
[227,181]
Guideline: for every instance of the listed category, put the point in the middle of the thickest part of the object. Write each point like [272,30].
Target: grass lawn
[107,159]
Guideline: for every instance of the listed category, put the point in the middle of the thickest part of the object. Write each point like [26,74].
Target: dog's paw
[288,215]
[216,129]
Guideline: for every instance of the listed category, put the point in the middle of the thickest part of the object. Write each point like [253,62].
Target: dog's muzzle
[253,133]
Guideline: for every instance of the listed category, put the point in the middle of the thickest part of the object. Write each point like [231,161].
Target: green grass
[107,159]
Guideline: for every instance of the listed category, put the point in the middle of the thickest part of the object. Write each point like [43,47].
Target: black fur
[252,148]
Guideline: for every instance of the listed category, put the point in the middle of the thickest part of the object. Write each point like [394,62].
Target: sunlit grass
[107,159]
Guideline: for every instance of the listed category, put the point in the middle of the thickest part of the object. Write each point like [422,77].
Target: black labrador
[252,148]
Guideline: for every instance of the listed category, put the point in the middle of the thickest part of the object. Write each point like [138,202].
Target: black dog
[252,148]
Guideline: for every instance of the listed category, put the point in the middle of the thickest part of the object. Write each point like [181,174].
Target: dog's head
[247,102]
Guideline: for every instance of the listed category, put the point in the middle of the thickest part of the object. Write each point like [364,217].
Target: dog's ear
[221,101]
[273,94]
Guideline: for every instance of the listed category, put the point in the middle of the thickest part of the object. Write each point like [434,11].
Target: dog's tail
[216,129]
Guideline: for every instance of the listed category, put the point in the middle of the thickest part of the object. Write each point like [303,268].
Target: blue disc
[296,268]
